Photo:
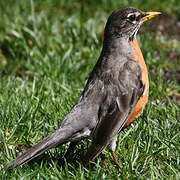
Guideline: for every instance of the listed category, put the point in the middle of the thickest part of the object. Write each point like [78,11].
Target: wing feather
[120,97]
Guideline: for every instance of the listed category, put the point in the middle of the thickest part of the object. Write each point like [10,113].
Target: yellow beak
[150,15]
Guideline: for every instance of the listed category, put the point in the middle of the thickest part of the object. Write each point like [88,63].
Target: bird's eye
[132,17]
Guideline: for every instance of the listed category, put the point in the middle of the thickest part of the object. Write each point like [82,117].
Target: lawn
[47,51]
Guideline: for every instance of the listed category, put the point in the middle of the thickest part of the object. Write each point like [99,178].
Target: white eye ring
[133,22]
[131,14]
[131,18]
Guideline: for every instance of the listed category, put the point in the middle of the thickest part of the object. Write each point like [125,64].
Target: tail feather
[58,137]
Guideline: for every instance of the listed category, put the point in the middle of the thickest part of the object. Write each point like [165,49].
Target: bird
[115,93]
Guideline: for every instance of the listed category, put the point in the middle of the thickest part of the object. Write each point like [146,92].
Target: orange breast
[144,98]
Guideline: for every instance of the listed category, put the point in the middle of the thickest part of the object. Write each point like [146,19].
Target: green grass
[47,50]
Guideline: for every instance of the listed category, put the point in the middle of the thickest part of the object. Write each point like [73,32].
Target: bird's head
[125,22]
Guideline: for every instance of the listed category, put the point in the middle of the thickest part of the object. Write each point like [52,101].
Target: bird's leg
[103,160]
[115,159]
[112,147]
[70,150]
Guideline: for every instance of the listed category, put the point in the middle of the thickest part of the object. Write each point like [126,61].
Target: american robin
[114,96]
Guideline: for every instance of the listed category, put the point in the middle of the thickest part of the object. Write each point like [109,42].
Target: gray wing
[120,97]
